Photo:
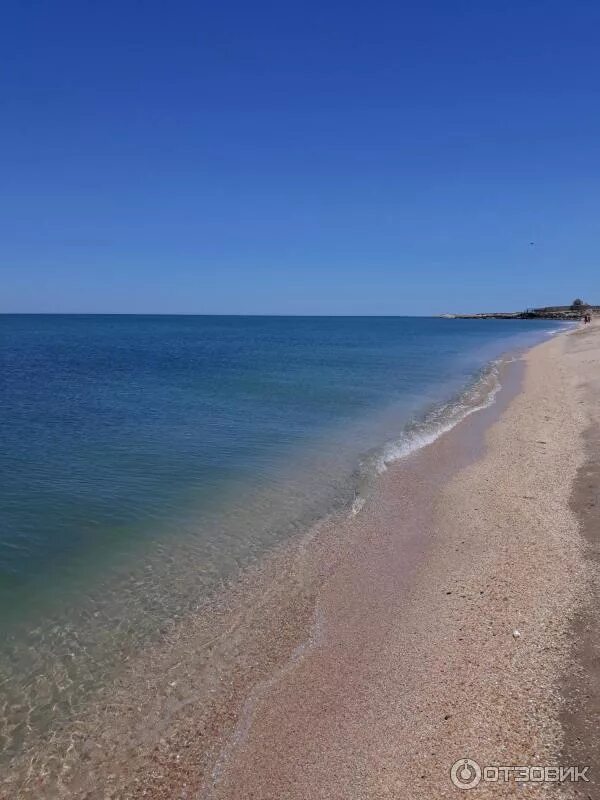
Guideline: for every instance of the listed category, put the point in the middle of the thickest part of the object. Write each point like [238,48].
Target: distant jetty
[575,311]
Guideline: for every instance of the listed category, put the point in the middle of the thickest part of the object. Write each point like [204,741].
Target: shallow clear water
[144,459]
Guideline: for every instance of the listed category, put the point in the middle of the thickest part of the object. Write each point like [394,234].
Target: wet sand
[363,660]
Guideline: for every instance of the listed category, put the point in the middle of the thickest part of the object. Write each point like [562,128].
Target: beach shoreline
[363,659]
[447,635]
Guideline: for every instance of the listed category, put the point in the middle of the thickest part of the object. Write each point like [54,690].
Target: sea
[147,460]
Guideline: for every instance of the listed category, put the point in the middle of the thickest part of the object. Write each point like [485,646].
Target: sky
[299,158]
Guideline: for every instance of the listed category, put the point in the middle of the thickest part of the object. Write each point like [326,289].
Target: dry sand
[580,687]
[362,661]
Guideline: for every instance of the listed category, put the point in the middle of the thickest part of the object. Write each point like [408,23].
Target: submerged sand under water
[54,673]
[364,658]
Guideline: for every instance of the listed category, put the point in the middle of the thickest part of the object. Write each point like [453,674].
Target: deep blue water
[145,459]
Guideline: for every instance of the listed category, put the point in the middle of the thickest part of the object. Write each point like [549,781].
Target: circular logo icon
[465,773]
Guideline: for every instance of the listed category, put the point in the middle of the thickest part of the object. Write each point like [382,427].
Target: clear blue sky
[315,157]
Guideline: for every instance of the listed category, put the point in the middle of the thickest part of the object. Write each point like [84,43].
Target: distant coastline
[575,311]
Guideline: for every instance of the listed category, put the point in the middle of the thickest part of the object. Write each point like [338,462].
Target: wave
[442,418]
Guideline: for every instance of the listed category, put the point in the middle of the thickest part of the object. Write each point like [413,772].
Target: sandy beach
[450,628]
[453,617]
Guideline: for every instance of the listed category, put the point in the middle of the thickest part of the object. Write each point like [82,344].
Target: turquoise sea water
[144,459]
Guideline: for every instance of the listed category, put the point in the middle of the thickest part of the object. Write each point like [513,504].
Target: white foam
[440,421]
[357,505]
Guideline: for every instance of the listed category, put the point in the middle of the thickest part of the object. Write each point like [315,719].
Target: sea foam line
[256,696]
[441,420]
